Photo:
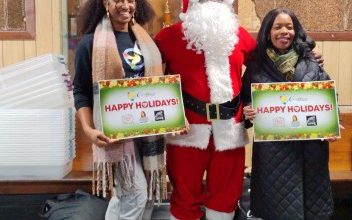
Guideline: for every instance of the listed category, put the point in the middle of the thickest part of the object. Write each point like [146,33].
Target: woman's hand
[319,58]
[249,113]
[85,115]
[333,139]
[99,138]
[183,131]
[187,128]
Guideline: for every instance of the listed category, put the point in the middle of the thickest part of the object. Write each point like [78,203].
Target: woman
[290,180]
[114,46]
[295,123]
[143,118]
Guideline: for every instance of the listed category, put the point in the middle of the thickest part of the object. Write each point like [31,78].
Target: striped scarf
[114,166]
[285,63]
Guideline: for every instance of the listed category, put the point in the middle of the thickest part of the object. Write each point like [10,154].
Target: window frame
[29,33]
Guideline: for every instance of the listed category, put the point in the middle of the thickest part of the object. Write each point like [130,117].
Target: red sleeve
[249,44]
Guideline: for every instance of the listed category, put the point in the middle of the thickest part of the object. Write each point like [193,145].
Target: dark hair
[301,43]
[94,10]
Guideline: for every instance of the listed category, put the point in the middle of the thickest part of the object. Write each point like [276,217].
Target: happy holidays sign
[141,106]
[295,111]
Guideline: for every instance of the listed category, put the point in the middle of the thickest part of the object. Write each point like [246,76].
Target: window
[17,19]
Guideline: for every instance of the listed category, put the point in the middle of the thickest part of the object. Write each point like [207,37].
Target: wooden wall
[48,35]
[341,150]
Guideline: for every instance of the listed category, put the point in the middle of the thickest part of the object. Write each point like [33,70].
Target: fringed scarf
[114,166]
[285,63]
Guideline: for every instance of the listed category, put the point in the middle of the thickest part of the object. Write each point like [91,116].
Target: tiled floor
[161,212]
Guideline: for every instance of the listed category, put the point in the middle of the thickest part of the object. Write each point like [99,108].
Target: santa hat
[186,2]
[184,5]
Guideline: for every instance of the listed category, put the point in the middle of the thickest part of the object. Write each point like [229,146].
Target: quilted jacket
[290,179]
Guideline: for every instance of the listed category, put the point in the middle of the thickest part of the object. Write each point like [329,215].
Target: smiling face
[121,13]
[143,114]
[282,32]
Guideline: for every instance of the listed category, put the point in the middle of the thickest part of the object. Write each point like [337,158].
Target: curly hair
[94,10]
[302,44]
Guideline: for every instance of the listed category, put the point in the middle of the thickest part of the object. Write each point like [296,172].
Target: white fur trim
[219,80]
[215,215]
[226,133]
[229,135]
[198,137]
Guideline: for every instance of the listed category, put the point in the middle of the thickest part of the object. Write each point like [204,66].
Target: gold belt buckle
[217,109]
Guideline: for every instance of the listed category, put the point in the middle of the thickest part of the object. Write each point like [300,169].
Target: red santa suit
[212,147]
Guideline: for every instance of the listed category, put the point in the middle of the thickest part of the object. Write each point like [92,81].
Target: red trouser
[186,167]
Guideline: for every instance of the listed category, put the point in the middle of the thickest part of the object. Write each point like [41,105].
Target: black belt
[223,111]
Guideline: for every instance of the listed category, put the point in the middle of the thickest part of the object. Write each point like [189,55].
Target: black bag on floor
[243,212]
[75,206]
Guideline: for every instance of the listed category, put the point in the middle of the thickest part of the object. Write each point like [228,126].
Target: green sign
[295,111]
[141,106]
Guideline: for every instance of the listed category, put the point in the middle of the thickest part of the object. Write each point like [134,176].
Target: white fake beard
[210,27]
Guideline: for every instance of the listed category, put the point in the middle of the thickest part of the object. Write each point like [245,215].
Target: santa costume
[207,48]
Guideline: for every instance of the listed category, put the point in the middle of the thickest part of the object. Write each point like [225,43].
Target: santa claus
[207,48]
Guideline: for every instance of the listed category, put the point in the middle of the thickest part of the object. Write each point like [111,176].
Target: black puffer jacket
[290,179]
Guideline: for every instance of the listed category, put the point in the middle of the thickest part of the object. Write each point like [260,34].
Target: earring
[133,21]
[107,9]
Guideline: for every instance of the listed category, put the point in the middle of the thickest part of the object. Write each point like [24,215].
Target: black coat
[290,179]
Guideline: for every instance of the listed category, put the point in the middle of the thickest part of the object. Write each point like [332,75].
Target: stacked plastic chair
[37,126]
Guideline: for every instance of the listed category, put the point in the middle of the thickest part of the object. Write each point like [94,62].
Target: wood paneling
[341,150]
[345,73]
[30,49]
[331,56]
[48,35]
[56,26]
[319,47]
[70,183]
[44,23]
[13,51]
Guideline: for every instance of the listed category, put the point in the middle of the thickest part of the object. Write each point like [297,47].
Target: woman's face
[282,32]
[121,13]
